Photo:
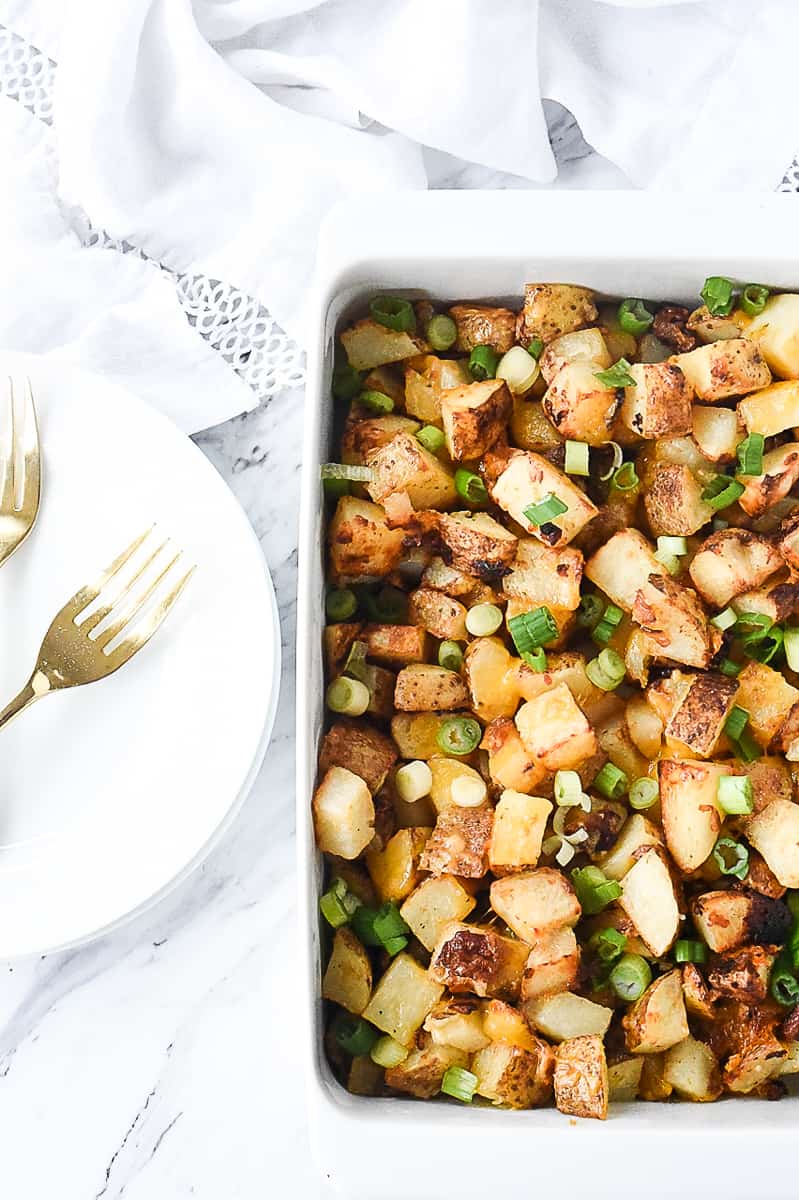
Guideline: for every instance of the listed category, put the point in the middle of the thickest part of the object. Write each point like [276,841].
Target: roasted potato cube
[477,544]
[365,1078]
[441,577]
[650,902]
[519,824]
[584,345]
[776,332]
[615,741]
[727,920]
[698,719]
[717,432]
[658,1020]
[509,763]
[754,1065]
[733,367]
[580,406]
[768,698]
[362,546]
[402,999]
[394,870]
[540,575]
[624,1079]
[508,1075]
[479,325]
[692,1070]
[553,965]
[713,329]
[623,566]
[636,834]
[552,309]
[775,833]
[675,622]
[396,644]
[773,410]
[653,1085]
[527,479]
[445,771]
[674,503]
[659,402]
[474,416]
[416,734]
[568,668]
[438,614]
[744,973]
[425,380]
[404,465]
[730,562]
[581,1078]
[691,816]
[535,903]
[777,599]
[361,749]
[698,998]
[469,959]
[421,1073]
[760,878]
[780,472]
[504,1023]
[424,688]
[530,428]
[459,842]
[565,1016]
[386,379]
[458,1022]
[338,641]
[361,437]
[555,730]
[432,905]
[369,344]
[343,813]
[491,673]
[348,977]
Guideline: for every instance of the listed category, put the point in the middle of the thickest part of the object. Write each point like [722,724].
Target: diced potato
[386,379]
[615,741]
[653,1085]
[733,367]
[470,959]
[580,406]
[760,878]
[361,437]
[396,644]
[773,410]
[402,999]
[692,1070]
[777,598]
[553,965]
[555,730]
[743,974]
[584,345]
[530,428]
[581,1078]
[732,561]
[404,465]
[369,344]
[790,1064]
[659,402]
[474,416]
[516,1078]
[509,763]
[775,833]
[480,325]
[780,472]
[692,818]
[636,834]
[442,577]
[624,1079]
[716,432]
[665,450]
[623,566]
[425,379]
[432,905]
[535,903]
[727,920]
[504,1023]
[361,749]
[526,480]
[394,870]
[348,977]
[767,697]
[754,1065]
[650,902]
[477,544]
[438,614]
[776,332]
[422,1072]
[416,734]
[675,622]
[424,688]
[674,503]
[540,575]
[365,1078]
[644,725]
[458,1022]
[519,824]
[343,814]
[445,771]
[459,842]
[491,673]
[658,1020]
[568,668]
[566,1015]
[338,641]
[381,692]
[552,309]
[697,995]
[362,547]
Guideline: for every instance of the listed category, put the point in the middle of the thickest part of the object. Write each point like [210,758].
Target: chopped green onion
[441,332]
[356,662]
[625,479]
[388,1053]
[518,370]
[354,1035]
[605,629]
[357,474]
[764,647]
[483,620]
[687,950]
[669,561]
[617,376]
[536,659]
[753,299]
[389,606]
[377,402]
[752,625]
[673,545]
[747,748]
[722,491]
[568,788]
[736,722]
[483,363]
[381,926]
[725,620]
[535,348]
[644,792]
[431,438]
[594,890]
[393,946]
[547,508]
[393,312]
[630,977]
[363,926]
[591,609]
[618,457]
[459,735]
[337,905]
[348,696]
[790,635]
[732,858]
[576,459]
[735,795]
[750,454]
[792,900]
[341,604]
[388,923]
[533,629]
[730,668]
[783,984]
[606,671]
[336,487]
[450,656]
[634,317]
[719,296]
[346,382]
[607,944]
[611,781]
[459,1083]
[470,487]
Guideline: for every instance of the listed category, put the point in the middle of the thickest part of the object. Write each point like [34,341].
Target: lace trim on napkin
[236,325]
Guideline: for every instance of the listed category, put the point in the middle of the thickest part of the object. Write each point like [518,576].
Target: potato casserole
[556,788]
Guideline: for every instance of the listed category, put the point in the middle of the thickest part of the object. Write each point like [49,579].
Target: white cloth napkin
[214,135]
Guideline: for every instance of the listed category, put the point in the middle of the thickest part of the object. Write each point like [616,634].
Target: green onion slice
[393,312]
[630,977]
[625,479]
[459,1083]
[450,656]
[611,781]
[634,317]
[483,619]
[735,795]
[576,458]
[747,748]
[459,735]
[722,491]
[730,668]
[388,1053]
[470,487]
[349,471]
[606,671]
[591,609]
[618,458]
[594,890]
[732,858]
[568,789]
[673,545]
[356,662]
[349,697]
[719,295]
[617,376]
[533,629]
[736,722]
[724,620]
[431,438]
[687,950]
[644,792]
[483,363]
[607,944]
[377,402]
[334,488]
[544,511]
[764,647]
[753,299]
[388,606]
[354,1035]
[605,629]
[536,659]
[750,454]
[441,332]
[535,348]
[333,907]
[752,625]
[346,382]
[783,984]
[340,604]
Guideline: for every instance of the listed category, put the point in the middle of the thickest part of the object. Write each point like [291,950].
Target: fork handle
[36,687]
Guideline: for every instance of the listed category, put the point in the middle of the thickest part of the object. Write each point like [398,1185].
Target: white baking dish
[486,246]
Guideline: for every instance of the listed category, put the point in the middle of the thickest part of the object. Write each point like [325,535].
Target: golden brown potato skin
[729,919]
[509,1075]
[699,720]
[743,974]
[421,1073]
[674,503]
[460,841]
[581,1078]
[474,417]
[478,960]
[479,325]
[551,309]
[361,748]
[476,544]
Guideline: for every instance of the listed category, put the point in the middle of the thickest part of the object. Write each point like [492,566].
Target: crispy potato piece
[338,641]
[530,428]
[362,547]
[535,903]
[776,332]
[637,833]
[697,995]
[540,575]
[691,817]
[527,479]
[416,734]
[438,614]
[674,621]
[552,309]
[653,1085]
[396,644]
[649,899]
[504,1023]
[713,329]
[658,1020]
[565,1016]
[771,780]
[555,730]
[760,878]
[402,999]
[614,739]
[480,325]
[768,698]
[386,379]
[477,544]
[474,417]
[727,920]
[491,673]
[674,503]
[404,465]
[343,813]
[369,344]
[425,380]
[360,748]
[422,1072]
[623,567]
[624,1079]
[691,1069]
[659,402]
[457,1021]
[519,824]
[717,432]
[508,1075]
[732,561]
[445,771]
[777,599]
[469,959]
[775,833]
[365,1078]
[753,1066]
[433,904]
[733,367]
[348,977]
[441,577]
[780,473]
[772,410]
[581,1078]
[394,870]
[361,437]
[509,763]
[421,687]
[698,719]
[584,345]
[553,965]
[580,406]
[744,973]
[459,842]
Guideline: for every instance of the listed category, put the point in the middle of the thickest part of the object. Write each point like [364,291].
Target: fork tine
[88,594]
[105,610]
[147,627]
[9,497]
[31,458]
[134,605]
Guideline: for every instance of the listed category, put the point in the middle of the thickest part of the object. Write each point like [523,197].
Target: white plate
[111,793]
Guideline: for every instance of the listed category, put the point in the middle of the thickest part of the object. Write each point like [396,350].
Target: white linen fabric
[214,135]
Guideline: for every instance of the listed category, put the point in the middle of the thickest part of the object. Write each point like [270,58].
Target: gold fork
[21,471]
[70,657]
